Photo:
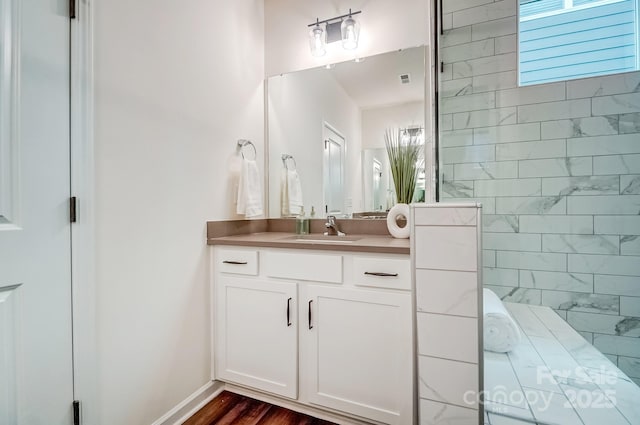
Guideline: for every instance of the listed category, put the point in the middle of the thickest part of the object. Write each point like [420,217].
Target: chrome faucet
[332,227]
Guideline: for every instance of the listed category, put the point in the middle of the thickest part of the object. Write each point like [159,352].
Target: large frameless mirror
[327,134]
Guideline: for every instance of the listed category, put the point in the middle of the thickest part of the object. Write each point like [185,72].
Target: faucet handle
[331,224]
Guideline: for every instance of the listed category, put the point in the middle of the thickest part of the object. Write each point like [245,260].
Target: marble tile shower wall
[557,169]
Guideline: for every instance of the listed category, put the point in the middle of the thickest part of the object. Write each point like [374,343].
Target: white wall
[175,87]
[385,26]
[376,121]
[299,104]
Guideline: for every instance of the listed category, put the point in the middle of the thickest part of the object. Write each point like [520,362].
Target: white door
[333,171]
[35,279]
[359,352]
[257,334]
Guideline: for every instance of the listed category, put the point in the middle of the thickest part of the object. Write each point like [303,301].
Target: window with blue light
[568,39]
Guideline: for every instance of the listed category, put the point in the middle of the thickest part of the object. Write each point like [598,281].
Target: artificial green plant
[404,158]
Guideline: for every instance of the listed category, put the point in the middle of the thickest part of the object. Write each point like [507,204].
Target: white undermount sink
[318,238]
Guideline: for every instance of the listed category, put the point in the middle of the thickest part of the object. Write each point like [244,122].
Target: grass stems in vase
[404,154]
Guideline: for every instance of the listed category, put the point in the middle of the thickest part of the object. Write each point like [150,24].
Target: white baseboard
[191,404]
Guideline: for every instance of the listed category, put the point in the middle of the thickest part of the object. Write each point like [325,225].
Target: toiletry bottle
[302,223]
[313,212]
[306,225]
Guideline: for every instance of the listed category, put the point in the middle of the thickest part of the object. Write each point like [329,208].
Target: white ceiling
[375,82]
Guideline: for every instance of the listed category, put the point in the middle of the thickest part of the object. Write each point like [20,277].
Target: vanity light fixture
[350,30]
[317,40]
[343,27]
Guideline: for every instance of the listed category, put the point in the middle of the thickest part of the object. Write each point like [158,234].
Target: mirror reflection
[326,132]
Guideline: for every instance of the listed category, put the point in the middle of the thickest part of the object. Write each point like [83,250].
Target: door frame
[326,126]
[83,281]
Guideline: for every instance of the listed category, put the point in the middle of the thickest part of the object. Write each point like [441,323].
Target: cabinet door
[257,334]
[358,346]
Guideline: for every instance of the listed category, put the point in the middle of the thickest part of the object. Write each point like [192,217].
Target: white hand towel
[501,332]
[284,194]
[294,192]
[249,190]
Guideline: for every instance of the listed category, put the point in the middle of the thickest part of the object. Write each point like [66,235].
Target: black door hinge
[72,9]
[441,67]
[76,412]
[73,209]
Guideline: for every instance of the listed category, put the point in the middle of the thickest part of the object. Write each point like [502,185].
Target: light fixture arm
[337,18]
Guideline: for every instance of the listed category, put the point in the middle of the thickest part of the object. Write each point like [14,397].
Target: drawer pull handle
[380,274]
[288,312]
[242,263]
[310,325]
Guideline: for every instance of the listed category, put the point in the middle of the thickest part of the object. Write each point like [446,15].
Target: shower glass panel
[556,167]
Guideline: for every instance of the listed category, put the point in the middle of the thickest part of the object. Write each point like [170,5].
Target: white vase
[398,211]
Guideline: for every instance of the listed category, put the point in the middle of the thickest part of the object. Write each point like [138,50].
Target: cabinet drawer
[238,261]
[315,267]
[382,272]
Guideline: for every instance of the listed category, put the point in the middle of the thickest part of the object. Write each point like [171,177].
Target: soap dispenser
[302,223]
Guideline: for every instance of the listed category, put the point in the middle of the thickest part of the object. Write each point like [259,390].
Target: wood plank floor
[230,408]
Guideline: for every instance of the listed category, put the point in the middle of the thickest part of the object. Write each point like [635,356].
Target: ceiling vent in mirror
[405,78]
[343,27]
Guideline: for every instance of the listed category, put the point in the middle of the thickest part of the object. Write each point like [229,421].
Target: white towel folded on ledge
[501,332]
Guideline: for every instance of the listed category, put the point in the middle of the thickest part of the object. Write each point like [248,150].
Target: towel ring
[243,143]
[285,157]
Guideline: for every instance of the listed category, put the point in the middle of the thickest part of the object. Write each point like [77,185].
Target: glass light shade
[350,32]
[317,41]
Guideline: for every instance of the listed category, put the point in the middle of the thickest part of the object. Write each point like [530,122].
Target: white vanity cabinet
[257,334]
[357,355]
[328,329]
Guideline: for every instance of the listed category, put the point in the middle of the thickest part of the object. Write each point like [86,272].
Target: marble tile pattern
[555,376]
[558,167]
[445,249]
